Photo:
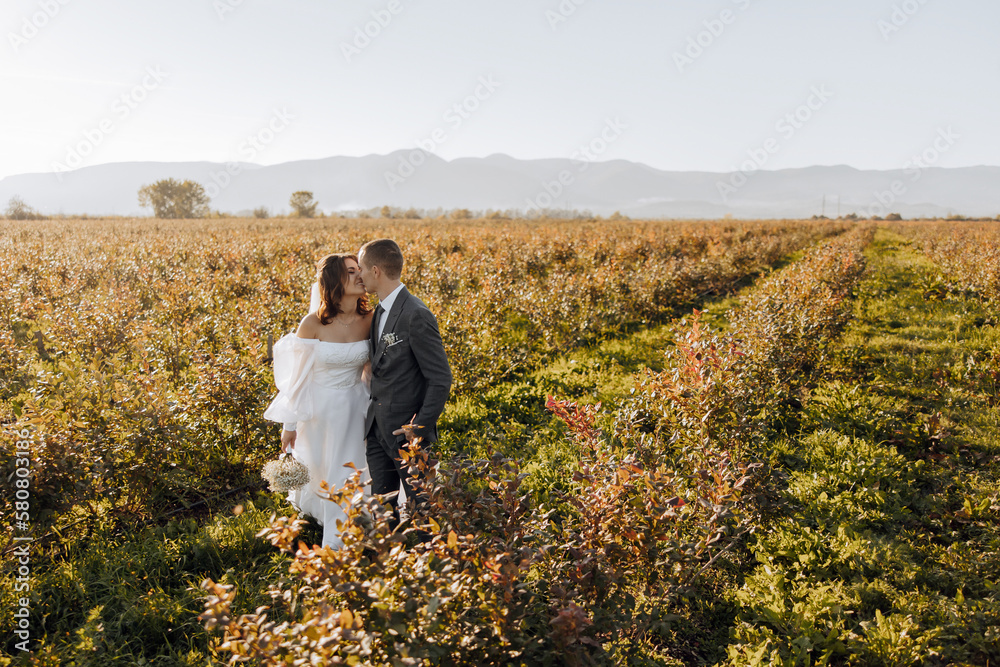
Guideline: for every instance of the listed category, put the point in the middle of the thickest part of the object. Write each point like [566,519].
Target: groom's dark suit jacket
[410,375]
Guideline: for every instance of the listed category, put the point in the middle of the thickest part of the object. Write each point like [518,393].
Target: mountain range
[421,180]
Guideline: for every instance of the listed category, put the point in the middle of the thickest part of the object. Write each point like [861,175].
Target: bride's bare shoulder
[309,326]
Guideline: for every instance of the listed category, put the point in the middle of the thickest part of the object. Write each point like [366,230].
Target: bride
[321,373]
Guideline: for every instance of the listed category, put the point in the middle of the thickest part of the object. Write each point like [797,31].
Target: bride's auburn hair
[332,275]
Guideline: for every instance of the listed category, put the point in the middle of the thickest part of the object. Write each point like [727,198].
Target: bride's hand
[287,441]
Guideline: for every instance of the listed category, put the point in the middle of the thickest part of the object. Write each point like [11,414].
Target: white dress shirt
[386,307]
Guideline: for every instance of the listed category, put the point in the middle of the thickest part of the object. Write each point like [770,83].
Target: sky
[687,85]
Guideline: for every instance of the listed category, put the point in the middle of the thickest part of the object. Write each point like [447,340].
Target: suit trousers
[386,469]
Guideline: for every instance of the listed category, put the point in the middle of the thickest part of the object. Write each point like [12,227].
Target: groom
[411,378]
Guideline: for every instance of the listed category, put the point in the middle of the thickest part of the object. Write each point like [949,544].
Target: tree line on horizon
[173,199]
[188,199]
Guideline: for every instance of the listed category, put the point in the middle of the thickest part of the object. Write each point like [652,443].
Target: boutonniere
[390,339]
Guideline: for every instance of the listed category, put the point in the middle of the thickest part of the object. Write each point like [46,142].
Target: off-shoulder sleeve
[294,358]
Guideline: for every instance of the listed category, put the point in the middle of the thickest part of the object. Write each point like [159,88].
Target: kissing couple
[352,377]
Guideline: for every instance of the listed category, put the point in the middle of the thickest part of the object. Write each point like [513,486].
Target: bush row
[968,254]
[886,551]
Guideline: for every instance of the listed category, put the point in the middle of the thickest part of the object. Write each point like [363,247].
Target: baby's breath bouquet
[286,473]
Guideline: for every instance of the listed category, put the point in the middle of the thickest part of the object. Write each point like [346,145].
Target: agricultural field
[722,443]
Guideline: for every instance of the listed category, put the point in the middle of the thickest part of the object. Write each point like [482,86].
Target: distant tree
[175,199]
[412,214]
[18,210]
[386,212]
[261,212]
[461,214]
[303,204]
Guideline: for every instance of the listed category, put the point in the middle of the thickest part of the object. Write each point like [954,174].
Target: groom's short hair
[386,255]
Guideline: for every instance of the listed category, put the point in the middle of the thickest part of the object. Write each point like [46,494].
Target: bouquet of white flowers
[285,473]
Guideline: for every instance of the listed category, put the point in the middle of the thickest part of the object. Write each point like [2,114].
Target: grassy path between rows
[888,549]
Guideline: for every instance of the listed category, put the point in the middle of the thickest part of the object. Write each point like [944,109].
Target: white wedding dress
[314,299]
[320,391]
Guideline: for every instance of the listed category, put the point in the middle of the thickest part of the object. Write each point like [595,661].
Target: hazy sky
[685,84]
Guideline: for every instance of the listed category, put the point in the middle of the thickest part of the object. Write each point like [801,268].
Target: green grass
[511,418]
[889,548]
[131,593]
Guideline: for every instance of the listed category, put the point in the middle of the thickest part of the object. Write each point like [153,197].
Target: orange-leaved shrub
[499,579]
[968,254]
[785,325]
[736,391]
